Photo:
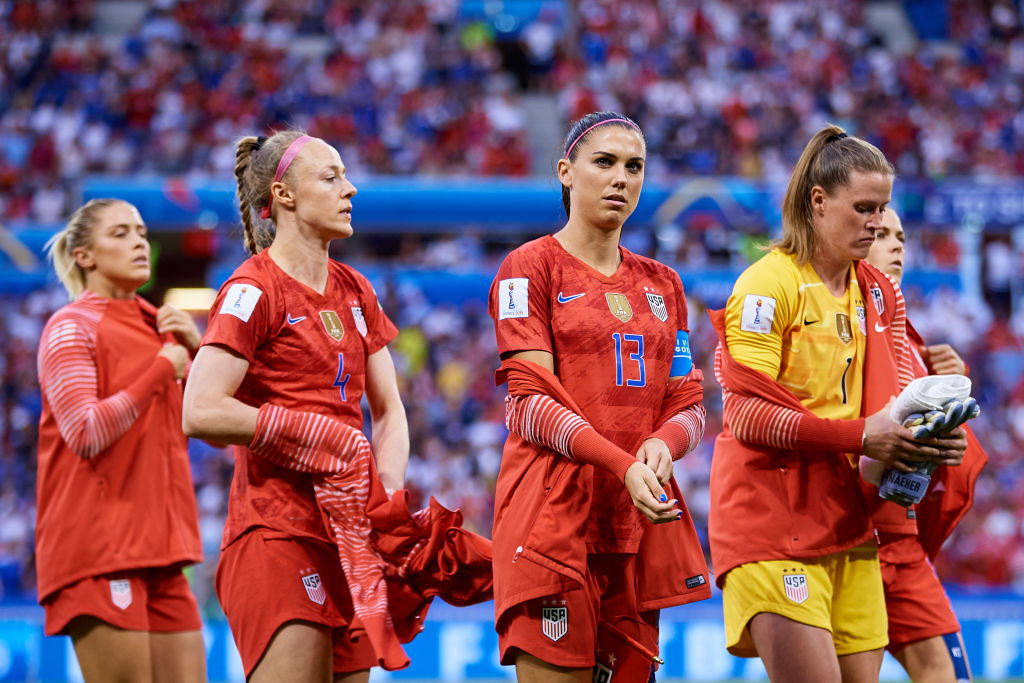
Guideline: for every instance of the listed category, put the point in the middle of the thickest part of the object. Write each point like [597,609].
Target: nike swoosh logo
[880,328]
[808,323]
[566,299]
[292,321]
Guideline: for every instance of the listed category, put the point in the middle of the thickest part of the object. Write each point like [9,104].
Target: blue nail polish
[663,498]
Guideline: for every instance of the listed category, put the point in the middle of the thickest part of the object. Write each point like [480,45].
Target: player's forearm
[391,446]
[759,422]
[220,419]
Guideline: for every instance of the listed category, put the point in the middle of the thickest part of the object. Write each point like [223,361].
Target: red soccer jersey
[113,489]
[612,338]
[306,351]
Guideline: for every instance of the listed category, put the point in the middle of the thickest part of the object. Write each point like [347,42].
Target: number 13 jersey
[612,337]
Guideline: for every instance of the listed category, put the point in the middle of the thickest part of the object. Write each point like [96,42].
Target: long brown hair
[827,161]
[256,162]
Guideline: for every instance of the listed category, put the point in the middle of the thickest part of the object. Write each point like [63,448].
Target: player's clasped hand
[170,320]
[896,445]
[648,495]
[656,455]
[178,355]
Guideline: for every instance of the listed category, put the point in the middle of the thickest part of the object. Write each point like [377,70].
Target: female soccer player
[924,634]
[116,518]
[602,399]
[813,340]
[295,339]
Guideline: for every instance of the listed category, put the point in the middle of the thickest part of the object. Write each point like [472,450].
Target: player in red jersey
[116,513]
[924,634]
[603,397]
[294,342]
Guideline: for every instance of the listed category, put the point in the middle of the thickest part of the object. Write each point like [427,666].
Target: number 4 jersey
[306,351]
[613,339]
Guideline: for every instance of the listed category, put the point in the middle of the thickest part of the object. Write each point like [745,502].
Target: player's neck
[835,275]
[302,259]
[599,249]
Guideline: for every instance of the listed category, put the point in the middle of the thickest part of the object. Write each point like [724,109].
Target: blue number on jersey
[339,381]
[637,356]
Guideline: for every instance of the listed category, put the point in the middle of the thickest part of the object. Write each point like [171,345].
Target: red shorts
[917,604]
[156,600]
[267,578]
[562,629]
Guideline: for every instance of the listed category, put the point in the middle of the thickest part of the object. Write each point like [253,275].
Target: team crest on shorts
[657,302]
[554,621]
[618,304]
[602,674]
[357,315]
[876,296]
[314,588]
[796,587]
[332,323]
[121,593]
[843,328]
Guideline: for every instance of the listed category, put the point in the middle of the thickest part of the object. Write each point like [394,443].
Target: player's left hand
[942,359]
[656,455]
[170,320]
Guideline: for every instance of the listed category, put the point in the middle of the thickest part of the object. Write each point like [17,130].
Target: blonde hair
[827,161]
[256,162]
[60,248]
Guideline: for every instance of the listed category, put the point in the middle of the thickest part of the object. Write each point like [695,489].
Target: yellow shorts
[841,592]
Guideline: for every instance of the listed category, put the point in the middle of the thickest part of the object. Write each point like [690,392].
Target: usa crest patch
[357,315]
[795,586]
[876,296]
[554,622]
[658,308]
[314,588]
[121,593]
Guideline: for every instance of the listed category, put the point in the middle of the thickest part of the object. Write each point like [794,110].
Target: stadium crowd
[728,87]
[724,88]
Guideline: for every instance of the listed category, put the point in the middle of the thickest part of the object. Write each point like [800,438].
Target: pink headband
[282,167]
[599,123]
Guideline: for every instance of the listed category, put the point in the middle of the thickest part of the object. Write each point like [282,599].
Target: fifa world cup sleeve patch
[758,314]
[240,301]
[682,362]
[513,298]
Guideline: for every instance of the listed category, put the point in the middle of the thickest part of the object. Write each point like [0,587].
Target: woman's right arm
[211,411]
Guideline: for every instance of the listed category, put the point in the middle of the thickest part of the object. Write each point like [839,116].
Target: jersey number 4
[342,379]
[636,356]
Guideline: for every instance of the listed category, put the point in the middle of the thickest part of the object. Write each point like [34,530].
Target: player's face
[606,177]
[119,252]
[847,219]
[323,193]
[887,250]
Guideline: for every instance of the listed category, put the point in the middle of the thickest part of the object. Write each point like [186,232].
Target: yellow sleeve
[760,311]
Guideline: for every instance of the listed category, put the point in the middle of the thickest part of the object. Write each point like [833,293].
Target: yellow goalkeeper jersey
[782,320]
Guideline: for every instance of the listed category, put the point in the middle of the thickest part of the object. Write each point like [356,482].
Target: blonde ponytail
[256,162]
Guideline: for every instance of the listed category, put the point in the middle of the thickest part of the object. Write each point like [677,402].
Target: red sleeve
[240,318]
[520,303]
[379,328]
[67,377]
[682,315]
